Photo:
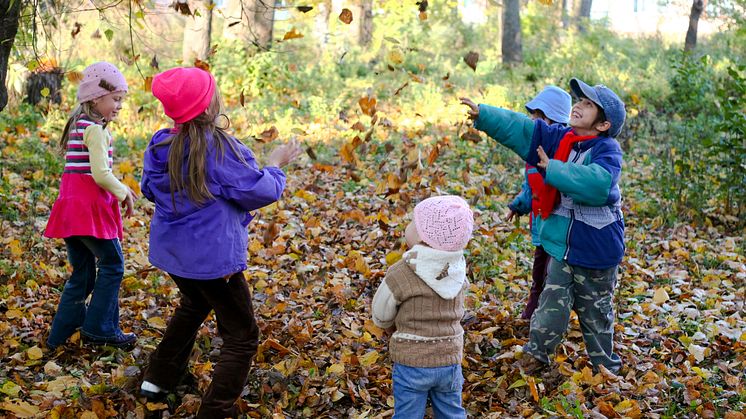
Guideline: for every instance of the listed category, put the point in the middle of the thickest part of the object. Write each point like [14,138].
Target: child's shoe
[529,365]
[151,391]
[121,340]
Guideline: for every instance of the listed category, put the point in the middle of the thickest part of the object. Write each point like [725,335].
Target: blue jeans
[100,319]
[413,386]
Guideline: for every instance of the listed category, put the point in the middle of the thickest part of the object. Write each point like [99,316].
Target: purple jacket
[208,241]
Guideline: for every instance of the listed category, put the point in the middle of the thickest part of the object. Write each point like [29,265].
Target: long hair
[85,108]
[191,142]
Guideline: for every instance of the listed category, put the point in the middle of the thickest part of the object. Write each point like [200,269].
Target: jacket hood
[443,271]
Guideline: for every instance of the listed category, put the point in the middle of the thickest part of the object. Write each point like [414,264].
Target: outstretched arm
[511,129]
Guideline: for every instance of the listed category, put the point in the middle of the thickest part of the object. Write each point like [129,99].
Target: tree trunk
[321,22]
[9,12]
[512,49]
[362,22]
[584,14]
[250,22]
[51,79]
[698,6]
[197,31]
[565,14]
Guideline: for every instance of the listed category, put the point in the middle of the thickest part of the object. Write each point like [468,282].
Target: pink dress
[83,208]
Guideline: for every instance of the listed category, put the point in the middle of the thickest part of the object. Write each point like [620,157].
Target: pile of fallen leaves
[317,256]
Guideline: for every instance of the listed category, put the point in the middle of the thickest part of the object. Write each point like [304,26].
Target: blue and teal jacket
[587,228]
[521,205]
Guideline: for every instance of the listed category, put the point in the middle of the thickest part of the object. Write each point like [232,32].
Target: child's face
[110,105]
[411,235]
[535,114]
[583,118]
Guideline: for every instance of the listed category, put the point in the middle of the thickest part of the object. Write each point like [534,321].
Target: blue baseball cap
[606,99]
[554,102]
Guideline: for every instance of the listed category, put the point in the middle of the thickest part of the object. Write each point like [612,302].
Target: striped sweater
[77,155]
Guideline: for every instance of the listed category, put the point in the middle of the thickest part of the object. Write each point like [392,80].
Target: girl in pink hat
[86,215]
[204,184]
[422,299]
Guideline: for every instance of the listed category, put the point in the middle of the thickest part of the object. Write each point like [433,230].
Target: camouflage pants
[590,293]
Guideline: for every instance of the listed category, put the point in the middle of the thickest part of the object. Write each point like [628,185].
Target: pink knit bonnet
[444,222]
[185,92]
[100,79]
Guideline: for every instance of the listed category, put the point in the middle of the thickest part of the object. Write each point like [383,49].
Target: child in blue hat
[552,105]
[582,227]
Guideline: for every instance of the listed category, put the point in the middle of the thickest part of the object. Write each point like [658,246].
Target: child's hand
[511,214]
[284,154]
[473,111]
[389,330]
[129,203]
[543,159]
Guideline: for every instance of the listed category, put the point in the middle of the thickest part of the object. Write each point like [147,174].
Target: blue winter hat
[606,99]
[554,102]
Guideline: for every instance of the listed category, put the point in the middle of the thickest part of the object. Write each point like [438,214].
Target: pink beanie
[444,222]
[100,79]
[185,92]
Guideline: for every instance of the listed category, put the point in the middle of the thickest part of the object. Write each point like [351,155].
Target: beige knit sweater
[423,295]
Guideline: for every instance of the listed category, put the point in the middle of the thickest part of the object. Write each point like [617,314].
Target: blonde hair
[191,142]
[86,108]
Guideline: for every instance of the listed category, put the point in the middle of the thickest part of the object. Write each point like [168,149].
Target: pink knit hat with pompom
[100,79]
[444,222]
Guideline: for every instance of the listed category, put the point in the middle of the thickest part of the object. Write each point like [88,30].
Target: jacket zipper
[572,217]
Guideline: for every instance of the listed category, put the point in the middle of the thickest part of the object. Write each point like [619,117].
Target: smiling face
[108,106]
[584,118]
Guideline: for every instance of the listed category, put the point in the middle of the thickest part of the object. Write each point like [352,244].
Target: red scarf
[549,196]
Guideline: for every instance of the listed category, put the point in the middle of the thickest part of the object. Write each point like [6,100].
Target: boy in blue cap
[582,227]
[553,106]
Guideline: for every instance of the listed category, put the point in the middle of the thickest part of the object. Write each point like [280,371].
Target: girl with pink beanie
[86,215]
[205,184]
[422,298]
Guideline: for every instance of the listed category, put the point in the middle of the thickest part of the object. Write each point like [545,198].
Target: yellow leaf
[126,167]
[21,410]
[15,248]
[395,57]
[308,196]
[369,359]
[88,414]
[393,257]
[44,92]
[292,34]
[335,369]
[660,296]
[156,406]
[157,322]
[13,313]
[34,353]
[132,184]
[255,246]
[11,389]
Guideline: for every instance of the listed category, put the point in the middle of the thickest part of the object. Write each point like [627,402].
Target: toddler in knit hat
[422,298]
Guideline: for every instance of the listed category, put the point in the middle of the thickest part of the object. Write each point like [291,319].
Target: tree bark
[250,22]
[698,6]
[51,79]
[197,31]
[10,11]
[362,22]
[584,14]
[512,49]
[565,14]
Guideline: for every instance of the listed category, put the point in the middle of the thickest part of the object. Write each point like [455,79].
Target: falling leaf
[546,2]
[154,62]
[74,76]
[268,135]
[395,57]
[368,105]
[44,92]
[76,29]
[109,34]
[242,99]
[471,59]
[201,64]
[471,135]
[96,34]
[304,9]
[292,34]
[271,233]
[147,84]
[422,6]
[422,16]
[346,16]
